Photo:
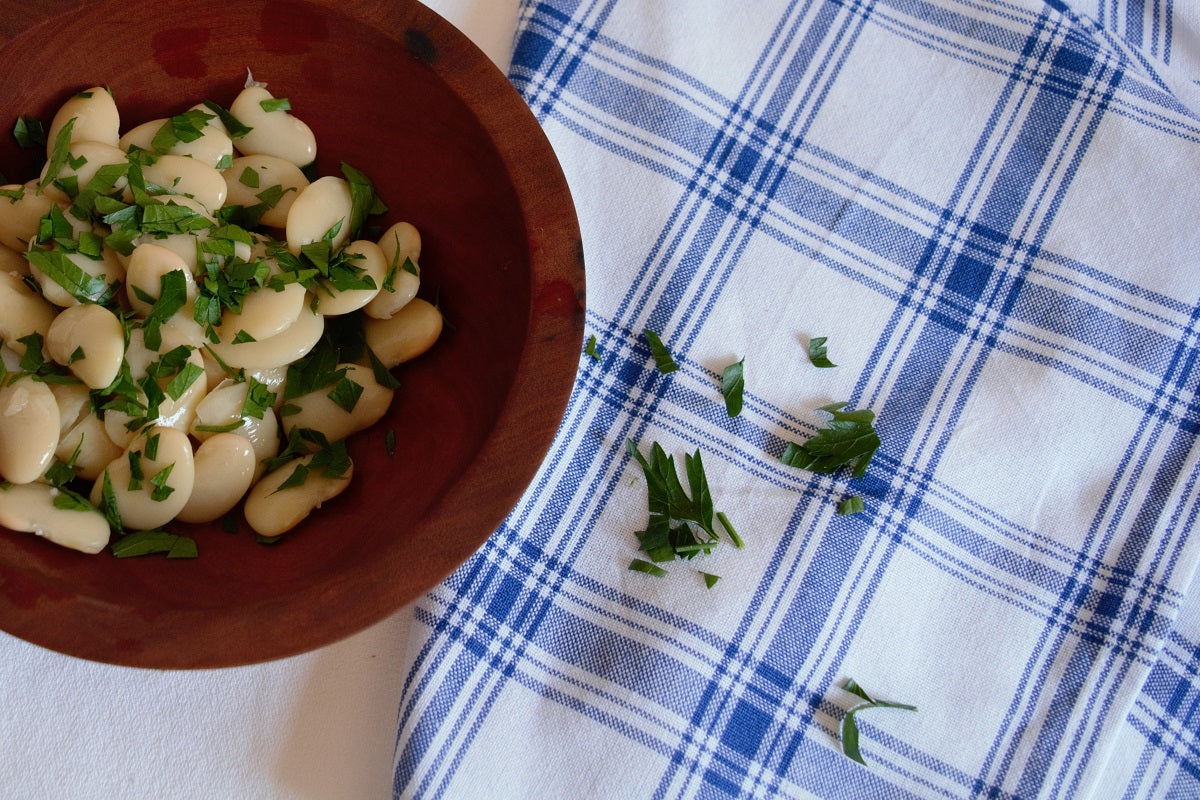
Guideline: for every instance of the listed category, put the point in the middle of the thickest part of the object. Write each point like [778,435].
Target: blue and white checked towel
[990,208]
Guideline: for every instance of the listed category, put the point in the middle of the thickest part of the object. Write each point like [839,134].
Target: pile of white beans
[202,474]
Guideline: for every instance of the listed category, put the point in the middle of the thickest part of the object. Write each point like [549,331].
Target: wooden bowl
[390,87]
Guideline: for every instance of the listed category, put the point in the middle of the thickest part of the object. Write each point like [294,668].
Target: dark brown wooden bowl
[393,89]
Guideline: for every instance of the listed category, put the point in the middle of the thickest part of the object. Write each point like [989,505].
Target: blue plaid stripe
[748,711]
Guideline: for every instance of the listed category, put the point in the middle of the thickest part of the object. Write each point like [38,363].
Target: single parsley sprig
[849,441]
[850,727]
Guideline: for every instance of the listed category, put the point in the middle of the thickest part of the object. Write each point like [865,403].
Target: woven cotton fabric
[988,209]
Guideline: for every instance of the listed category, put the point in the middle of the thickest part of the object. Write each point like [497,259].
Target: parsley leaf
[275,104]
[29,133]
[59,154]
[850,505]
[641,565]
[233,125]
[732,385]
[817,353]
[144,543]
[172,296]
[662,356]
[83,286]
[850,440]
[363,200]
[850,727]
[185,127]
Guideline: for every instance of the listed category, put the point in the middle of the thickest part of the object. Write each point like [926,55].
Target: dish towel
[983,214]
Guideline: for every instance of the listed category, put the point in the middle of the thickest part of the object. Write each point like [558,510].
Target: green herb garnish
[233,125]
[363,200]
[144,543]
[710,580]
[172,295]
[850,727]
[83,286]
[662,356]
[850,505]
[849,441]
[669,533]
[275,104]
[59,154]
[29,133]
[590,349]
[641,565]
[186,127]
[732,385]
[817,353]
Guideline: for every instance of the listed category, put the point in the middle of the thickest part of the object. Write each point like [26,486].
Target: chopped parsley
[849,441]
[817,353]
[144,543]
[733,384]
[186,127]
[681,520]
[275,104]
[641,565]
[850,727]
[850,505]
[662,356]
[29,133]
[590,349]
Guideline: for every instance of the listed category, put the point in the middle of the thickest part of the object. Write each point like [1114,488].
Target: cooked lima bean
[163,302]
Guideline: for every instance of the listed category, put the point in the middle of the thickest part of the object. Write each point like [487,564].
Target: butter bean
[283,348]
[267,171]
[213,145]
[22,312]
[29,508]
[274,133]
[29,427]
[320,206]
[265,312]
[399,243]
[369,257]
[107,267]
[138,507]
[12,262]
[144,271]
[96,119]
[223,406]
[271,511]
[181,175]
[89,443]
[225,467]
[86,158]
[90,341]
[318,412]
[20,215]
[172,412]
[408,334]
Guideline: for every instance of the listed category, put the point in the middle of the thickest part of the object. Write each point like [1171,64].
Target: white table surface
[316,726]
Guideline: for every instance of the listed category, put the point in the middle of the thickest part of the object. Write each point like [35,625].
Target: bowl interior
[392,89]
